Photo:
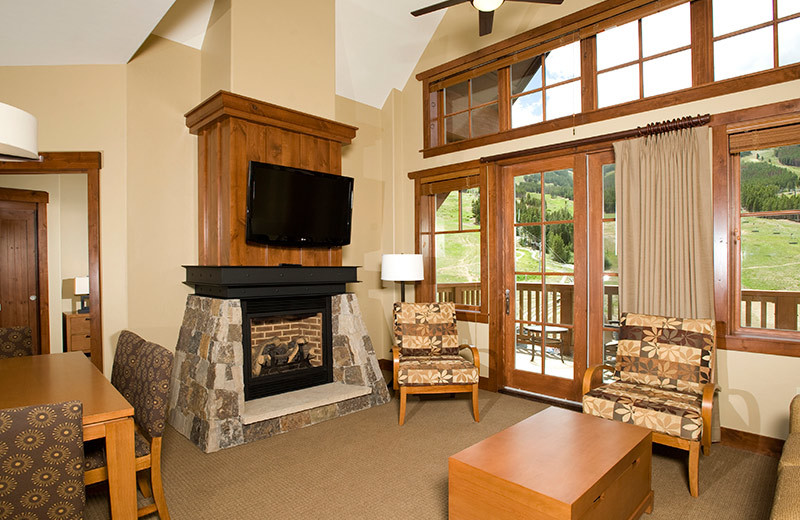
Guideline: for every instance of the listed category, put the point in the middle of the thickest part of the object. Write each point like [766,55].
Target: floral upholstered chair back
[15,341]
[141,373]
[426,329]
[669,353]
[41,462]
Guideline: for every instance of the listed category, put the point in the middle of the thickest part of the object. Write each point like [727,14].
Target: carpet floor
[365,466]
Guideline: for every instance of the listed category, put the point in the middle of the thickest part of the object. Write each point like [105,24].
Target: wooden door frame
[40,199]
[88,163]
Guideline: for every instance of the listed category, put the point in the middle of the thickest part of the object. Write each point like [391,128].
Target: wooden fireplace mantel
[234,130]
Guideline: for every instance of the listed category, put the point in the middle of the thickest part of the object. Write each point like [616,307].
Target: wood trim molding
[89,163]
[751,442]
[225,104]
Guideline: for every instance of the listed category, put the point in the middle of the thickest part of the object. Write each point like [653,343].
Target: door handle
[32,297]
[508,301]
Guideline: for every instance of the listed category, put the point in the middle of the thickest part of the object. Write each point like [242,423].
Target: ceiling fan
[485,9]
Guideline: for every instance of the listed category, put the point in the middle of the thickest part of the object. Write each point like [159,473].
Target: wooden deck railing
[763,309]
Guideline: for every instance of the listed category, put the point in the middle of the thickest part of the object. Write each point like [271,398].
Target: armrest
[794,415]
[590,373]
[708,404]
[475,356]
[395,366]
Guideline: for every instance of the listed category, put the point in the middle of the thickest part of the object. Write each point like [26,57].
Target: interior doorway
[23,278]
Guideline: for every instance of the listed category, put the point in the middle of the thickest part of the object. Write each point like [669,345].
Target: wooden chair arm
[395,366]
[589,374]
[475,356]
[708,405]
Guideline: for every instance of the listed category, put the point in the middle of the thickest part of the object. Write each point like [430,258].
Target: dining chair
[141,372]
[41,456]
[427,360]
[15,341]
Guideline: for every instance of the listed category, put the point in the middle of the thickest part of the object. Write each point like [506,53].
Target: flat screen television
[297,207]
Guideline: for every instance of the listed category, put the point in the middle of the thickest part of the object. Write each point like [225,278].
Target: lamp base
[84,304]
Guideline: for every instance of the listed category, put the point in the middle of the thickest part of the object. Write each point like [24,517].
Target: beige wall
[756,389]
[163,84]
[215,70]
[283,52]
[83,108]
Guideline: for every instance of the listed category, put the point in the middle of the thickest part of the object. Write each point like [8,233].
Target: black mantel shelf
[238,282]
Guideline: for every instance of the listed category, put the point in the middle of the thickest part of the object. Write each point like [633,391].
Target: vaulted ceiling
[378,42]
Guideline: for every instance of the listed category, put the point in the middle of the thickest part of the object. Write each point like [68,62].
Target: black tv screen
[296,207]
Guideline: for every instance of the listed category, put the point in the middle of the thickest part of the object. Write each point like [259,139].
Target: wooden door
[19,284]
[545,275]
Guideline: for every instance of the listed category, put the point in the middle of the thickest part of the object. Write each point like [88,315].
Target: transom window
[754,35]
[645,57]
[470,108]
[559,95]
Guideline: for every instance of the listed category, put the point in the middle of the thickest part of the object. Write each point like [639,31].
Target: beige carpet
[364,466]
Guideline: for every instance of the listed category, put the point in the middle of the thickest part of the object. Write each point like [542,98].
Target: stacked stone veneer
[207,389]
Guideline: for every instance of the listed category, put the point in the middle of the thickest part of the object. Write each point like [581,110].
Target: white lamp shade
[82,285]
[402,268]
[18,131]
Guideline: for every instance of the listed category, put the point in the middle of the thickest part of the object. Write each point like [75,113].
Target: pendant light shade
[18,135]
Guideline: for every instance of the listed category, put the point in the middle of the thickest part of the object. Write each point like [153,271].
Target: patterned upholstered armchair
[663,380]
[41,462]
[426,359]
[141,373]
[15,341]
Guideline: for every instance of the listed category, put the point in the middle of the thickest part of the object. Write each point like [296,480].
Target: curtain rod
[650,129]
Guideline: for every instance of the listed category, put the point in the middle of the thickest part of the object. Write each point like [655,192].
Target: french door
[554,269]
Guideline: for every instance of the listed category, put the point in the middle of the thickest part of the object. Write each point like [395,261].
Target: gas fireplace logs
[274,353]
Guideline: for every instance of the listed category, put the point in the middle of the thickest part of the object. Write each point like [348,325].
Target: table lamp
[402,268]
[82,290]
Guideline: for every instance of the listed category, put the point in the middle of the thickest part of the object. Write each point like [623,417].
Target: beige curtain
[665,227]
[665,224]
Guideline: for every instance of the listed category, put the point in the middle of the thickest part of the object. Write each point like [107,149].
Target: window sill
[781,343]
[475,316]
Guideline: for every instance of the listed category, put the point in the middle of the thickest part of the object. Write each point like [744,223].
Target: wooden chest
[556,464]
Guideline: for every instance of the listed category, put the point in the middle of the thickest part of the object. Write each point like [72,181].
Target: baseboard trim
[554,401]
[751,442]
[385,364]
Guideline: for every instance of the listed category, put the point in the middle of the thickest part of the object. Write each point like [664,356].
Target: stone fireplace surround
[207,390]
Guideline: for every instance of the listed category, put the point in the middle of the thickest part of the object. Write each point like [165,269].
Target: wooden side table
[77,332]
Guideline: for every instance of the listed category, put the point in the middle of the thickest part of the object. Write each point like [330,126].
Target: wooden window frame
[427,183]
[584,25]
[728,127]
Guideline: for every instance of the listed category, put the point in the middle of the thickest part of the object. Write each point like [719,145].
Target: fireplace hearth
[250,328]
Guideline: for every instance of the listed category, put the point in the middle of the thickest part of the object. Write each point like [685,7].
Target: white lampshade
[18,131]
[82,285]
[401,268]
[486,5]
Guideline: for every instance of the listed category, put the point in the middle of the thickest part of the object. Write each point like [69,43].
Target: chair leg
[475,413]
[158,492]
[402,405]
[144,485]
[694,468]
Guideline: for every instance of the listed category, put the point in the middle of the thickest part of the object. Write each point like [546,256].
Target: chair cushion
[94,452]
[142,372]
[426,329]
[15,341]
[669,353]
[41,462]
[790,456]
[443,370]
[666,411]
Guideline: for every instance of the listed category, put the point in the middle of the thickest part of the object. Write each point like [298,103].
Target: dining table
[53,378]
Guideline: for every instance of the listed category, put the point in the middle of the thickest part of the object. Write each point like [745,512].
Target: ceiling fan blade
[554,2]
[436,7]
[485,19]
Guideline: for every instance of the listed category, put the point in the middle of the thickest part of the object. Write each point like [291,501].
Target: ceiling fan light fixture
[486,5]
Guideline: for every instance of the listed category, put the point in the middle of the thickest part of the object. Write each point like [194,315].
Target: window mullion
[589,73]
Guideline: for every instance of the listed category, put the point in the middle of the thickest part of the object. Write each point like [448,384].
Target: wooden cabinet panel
[235,130]
[77,332]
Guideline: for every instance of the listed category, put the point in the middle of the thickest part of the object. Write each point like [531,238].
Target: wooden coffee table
[557,464]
